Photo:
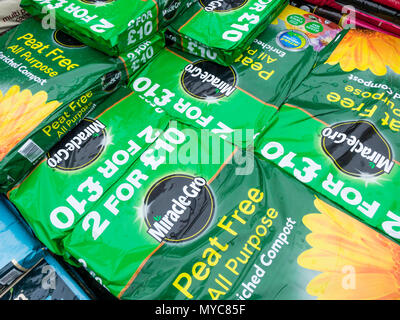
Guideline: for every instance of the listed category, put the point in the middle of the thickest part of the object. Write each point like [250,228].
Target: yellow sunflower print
[20,113]
[338,242]
[366,49]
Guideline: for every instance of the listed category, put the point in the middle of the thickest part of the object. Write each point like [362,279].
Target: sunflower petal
[339,286]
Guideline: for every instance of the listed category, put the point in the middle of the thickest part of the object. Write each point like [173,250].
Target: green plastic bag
[224,27]
[143,196]
[338,132]
[48,82]
[238,101]
[111,26]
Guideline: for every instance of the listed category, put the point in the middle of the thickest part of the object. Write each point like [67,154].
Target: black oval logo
[178,208]
[65,40]
[111,80]
[80,147]
[357,148]
[221,5]
[208,80]
[171,9]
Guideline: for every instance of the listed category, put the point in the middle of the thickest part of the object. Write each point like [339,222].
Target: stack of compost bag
[227,26]
[178,213]
[48,83]
[47,280]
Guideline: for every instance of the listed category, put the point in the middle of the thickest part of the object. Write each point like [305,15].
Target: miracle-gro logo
[357,148]
[208,80]
[178,208]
